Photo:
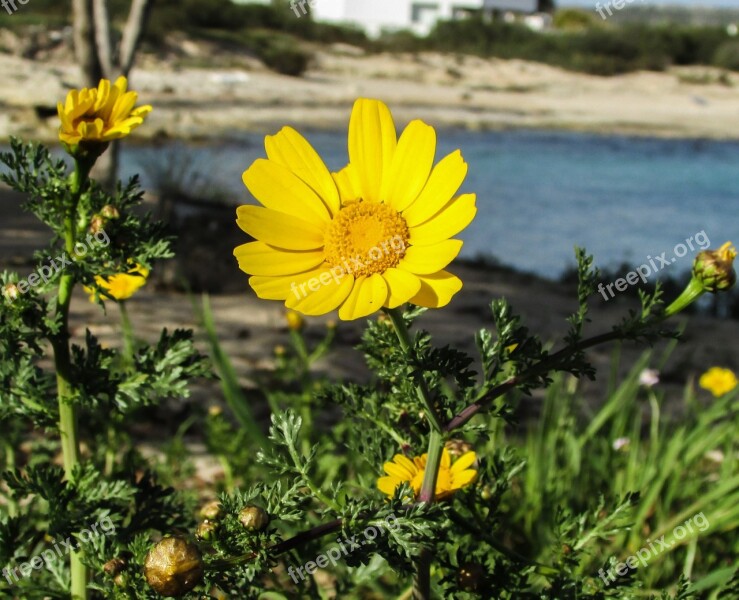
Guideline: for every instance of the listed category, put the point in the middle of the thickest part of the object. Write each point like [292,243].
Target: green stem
[10,466]
[690,294]
[63,366]
[422,579]
[396,317]
[128,339]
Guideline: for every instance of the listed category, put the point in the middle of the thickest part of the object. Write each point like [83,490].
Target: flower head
[718,381]
[376,234]
[100,114]
[715,268]
[452,477]
[121,286]
[649,377]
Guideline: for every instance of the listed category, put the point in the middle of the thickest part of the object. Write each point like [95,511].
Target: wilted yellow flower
[718,381]
[122,285]
[100,114]
[452,477]
[376,234]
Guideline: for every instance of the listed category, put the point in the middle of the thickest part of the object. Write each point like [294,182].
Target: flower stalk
[422,580]
[68,430]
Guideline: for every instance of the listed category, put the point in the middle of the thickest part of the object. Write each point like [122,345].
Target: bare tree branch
[84,42]
[132,33]
[101,20]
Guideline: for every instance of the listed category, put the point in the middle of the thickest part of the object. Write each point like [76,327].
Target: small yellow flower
[452,477]
[122,285]
[718,381]
[295,321]
[100,114]
[378,233]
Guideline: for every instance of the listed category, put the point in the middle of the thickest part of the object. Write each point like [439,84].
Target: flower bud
[109,212]
[715,268]
[295,321]
[211,511]
[280,350]
[470,576]
[97,224]
[206,531]
[458,447]
[114,566]
[173,567]
[11,292]
[253,518]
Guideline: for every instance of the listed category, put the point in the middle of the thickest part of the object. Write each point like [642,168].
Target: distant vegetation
[580,40]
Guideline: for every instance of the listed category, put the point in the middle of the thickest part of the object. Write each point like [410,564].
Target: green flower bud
[715,268]
[173,567]
[206,531]
[212,511]
[253,518]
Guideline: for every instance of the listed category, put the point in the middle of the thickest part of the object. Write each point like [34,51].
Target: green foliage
[727,56]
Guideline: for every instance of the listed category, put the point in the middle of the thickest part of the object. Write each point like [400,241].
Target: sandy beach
[237,93]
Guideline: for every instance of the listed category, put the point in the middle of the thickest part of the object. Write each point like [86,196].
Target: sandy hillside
[445,90]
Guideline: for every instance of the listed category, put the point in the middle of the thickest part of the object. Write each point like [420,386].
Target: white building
[375,16]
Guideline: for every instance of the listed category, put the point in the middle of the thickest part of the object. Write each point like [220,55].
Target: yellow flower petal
[411,165]
[464,461]
[258,258]
[387,485]
[372,143]
[425,260]
[279,229]
[463,479]
[446,459]
[277,187]
[367,296]
[444,182]
[406,463]
[327,296]
[395,470]
[401,285]
[452,219]
[292,150]
[437,290]
[280,288]
[347,182]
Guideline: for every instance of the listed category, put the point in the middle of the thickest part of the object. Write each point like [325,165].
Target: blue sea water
[540,193]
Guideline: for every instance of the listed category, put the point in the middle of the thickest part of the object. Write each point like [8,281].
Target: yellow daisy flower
[376,234]
[452,477]
[122,285]
[100,114]
[718,381]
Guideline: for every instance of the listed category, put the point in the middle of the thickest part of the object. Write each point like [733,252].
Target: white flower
[649,377]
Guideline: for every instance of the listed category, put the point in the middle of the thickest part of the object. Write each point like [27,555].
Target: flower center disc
[366,238]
